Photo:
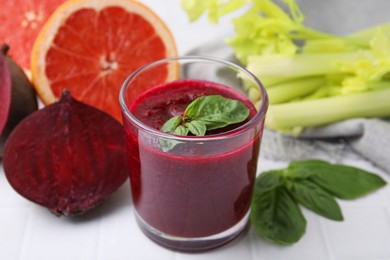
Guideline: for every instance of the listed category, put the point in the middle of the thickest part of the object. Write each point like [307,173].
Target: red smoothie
[197,189]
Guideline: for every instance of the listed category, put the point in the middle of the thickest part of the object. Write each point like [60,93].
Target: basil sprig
[276,214]
[207,113]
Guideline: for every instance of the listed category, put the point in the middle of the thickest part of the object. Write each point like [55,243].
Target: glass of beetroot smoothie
[191,193]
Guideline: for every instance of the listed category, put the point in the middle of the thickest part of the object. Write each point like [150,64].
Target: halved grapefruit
[21,21]
[90,46]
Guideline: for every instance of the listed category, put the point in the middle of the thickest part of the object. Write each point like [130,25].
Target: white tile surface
[29,232]
[364,234]
[13,224]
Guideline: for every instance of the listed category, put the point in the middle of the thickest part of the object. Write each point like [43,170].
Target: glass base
[192,244]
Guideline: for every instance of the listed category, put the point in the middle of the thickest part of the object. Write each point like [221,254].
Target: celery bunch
[312,78]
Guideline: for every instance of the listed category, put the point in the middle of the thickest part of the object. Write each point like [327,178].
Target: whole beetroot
[22,99]
[5,92]
[67,157]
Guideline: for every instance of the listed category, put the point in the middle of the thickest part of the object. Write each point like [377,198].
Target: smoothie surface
[157,105]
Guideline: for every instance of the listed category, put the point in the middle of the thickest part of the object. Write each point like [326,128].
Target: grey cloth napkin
[355,138]
[366,138]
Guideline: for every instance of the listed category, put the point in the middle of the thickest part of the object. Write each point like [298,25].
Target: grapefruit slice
[90,47]
[21,21]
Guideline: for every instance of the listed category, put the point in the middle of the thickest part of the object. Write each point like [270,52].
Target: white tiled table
[29,232]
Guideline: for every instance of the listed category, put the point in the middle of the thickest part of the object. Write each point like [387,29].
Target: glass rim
[234,132]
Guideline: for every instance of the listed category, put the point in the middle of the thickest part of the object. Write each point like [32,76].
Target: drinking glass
[196,195]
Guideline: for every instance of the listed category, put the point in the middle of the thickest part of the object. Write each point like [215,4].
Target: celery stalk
[285,117]
[292,89]
[367,34]
[290,58]
[299,65]
[270,81]
[331,45]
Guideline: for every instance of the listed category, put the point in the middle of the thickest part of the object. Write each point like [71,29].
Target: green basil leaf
[196,127]
[216,111]
[168,144]
[342,181]
[171,125]
[316,199]
[268,180]
[181,130]
[303,169]
[276,216]
[204,113]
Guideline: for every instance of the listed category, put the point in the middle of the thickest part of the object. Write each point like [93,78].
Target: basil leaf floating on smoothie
[207,113]
[313,184]
[216,111]
[196,127]
[203,114]
[174,126]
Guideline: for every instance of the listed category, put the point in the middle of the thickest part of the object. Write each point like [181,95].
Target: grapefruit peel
[48,34]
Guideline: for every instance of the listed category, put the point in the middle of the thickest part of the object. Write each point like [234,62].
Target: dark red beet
[22,97]
[67,157]
[5,92]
